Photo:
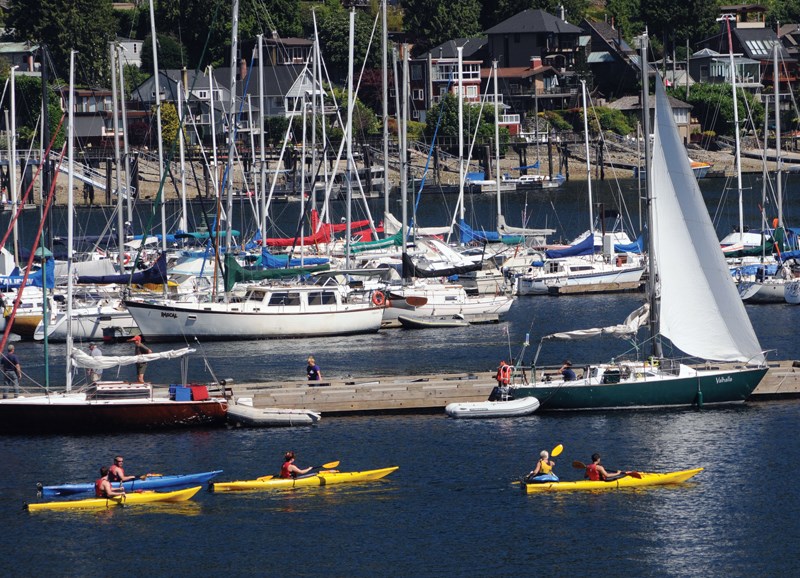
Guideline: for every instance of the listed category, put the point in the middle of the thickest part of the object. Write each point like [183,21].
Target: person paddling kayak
[543,467]
[116,473]
[289,470]
[103,488]
[596,472]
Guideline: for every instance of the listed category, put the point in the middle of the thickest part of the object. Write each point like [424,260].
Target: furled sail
[627,328]
[82,359]
[701,311]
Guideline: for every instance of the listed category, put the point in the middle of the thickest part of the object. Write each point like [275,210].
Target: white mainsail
[701,312]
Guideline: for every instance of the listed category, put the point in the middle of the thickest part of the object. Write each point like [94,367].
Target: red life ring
[378,299]
[127,259]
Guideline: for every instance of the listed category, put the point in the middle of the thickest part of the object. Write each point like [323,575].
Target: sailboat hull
[712,387]
[73,413]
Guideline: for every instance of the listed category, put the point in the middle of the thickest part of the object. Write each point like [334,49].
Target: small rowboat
[643,479]
[244,415]
[152,482]
[125,500]
[421,322]
[480,409]
[326,478]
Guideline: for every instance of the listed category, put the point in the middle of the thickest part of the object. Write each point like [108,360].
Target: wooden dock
[626,287]
[431,393]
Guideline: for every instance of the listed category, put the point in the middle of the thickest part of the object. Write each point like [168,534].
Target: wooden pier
[431,393]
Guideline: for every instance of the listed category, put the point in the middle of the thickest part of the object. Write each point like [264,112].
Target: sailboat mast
[12,164]
[349,137]
[727,18]
[262,183]
[588,160]
[232,124]
[70,210]
[778,179]
[385,101]
[497,144]
[158,130]
[460,50]
[117,157]
[652,270]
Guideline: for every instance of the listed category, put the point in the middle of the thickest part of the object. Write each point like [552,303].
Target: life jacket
[591,471]
[115,473]
[285,471]
[98,492]
[545,467]
[504,374]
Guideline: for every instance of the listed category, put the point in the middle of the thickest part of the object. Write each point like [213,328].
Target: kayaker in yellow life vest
[544,466]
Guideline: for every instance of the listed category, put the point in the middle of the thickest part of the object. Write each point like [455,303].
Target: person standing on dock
[11,372]
[313,370]
[140,349]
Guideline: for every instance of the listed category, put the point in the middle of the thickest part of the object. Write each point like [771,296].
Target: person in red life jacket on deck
[103,487]
[116,473]
[544,466]
[503,377]
[596,473]
[289,470]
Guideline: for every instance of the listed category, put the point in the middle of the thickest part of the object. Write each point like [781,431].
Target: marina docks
[431,393]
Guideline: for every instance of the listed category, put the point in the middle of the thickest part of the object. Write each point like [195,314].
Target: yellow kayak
[127,499]
[325,478]
[645,479]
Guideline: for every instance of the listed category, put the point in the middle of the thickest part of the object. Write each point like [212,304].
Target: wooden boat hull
[485,409]
[73,413]
[126,500]
[320,479]
[150,483]
[248,416]
[647,479]
[713,387]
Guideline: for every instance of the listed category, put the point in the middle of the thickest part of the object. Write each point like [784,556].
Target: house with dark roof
[435,74]
[535,34]
[614,64]
[681,112]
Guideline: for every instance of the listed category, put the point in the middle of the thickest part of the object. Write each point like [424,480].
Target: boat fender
[699,399]
[7,311]
[378,299]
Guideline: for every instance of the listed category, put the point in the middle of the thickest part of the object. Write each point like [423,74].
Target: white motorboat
[482,409]
[440,300]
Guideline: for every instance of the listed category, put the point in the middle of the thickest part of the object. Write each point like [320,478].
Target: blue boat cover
[34,279]
[155,274]
[636,247]
[585,247]
[270,261]
[468,234]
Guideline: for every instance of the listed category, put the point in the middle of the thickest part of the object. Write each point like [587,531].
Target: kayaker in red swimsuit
[103,488]
[289,470]
[595,472]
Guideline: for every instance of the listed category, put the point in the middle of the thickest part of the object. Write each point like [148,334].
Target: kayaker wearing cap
[140,349]
[544,466]
[103,487]
[289,470]
[596,473]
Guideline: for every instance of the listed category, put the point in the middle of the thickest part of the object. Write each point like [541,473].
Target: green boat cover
[234,273]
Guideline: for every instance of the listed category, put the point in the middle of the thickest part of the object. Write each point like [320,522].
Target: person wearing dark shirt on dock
[566,371]
[11,372]
[596,473]
[103,487]
[289,470]
[313,370]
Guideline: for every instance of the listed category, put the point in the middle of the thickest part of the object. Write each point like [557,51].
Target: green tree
[713,106]
[170,53]
[86,26]
[494,12]
[365,121]
[431,22]
[169,123]
[626,16]
[783,11]
[29,104]
[447,108]
[680,21]
[333,24]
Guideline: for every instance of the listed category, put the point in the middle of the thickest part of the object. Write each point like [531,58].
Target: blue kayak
[152,482]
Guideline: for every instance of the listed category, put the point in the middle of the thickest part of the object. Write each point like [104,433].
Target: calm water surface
[451,508]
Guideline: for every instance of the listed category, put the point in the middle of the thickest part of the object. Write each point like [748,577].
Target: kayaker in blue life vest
[595,472]
[103,487]
[289,470]
[544,466]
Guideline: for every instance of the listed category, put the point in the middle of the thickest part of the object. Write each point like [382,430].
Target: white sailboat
[704,318]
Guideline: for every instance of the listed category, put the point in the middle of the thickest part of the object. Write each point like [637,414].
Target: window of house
[416,73]
[417,94]
[471,91]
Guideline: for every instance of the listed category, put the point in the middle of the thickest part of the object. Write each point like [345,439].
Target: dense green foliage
[447,108]
[713,107]
[431,22]
[29,104]
[170,53]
